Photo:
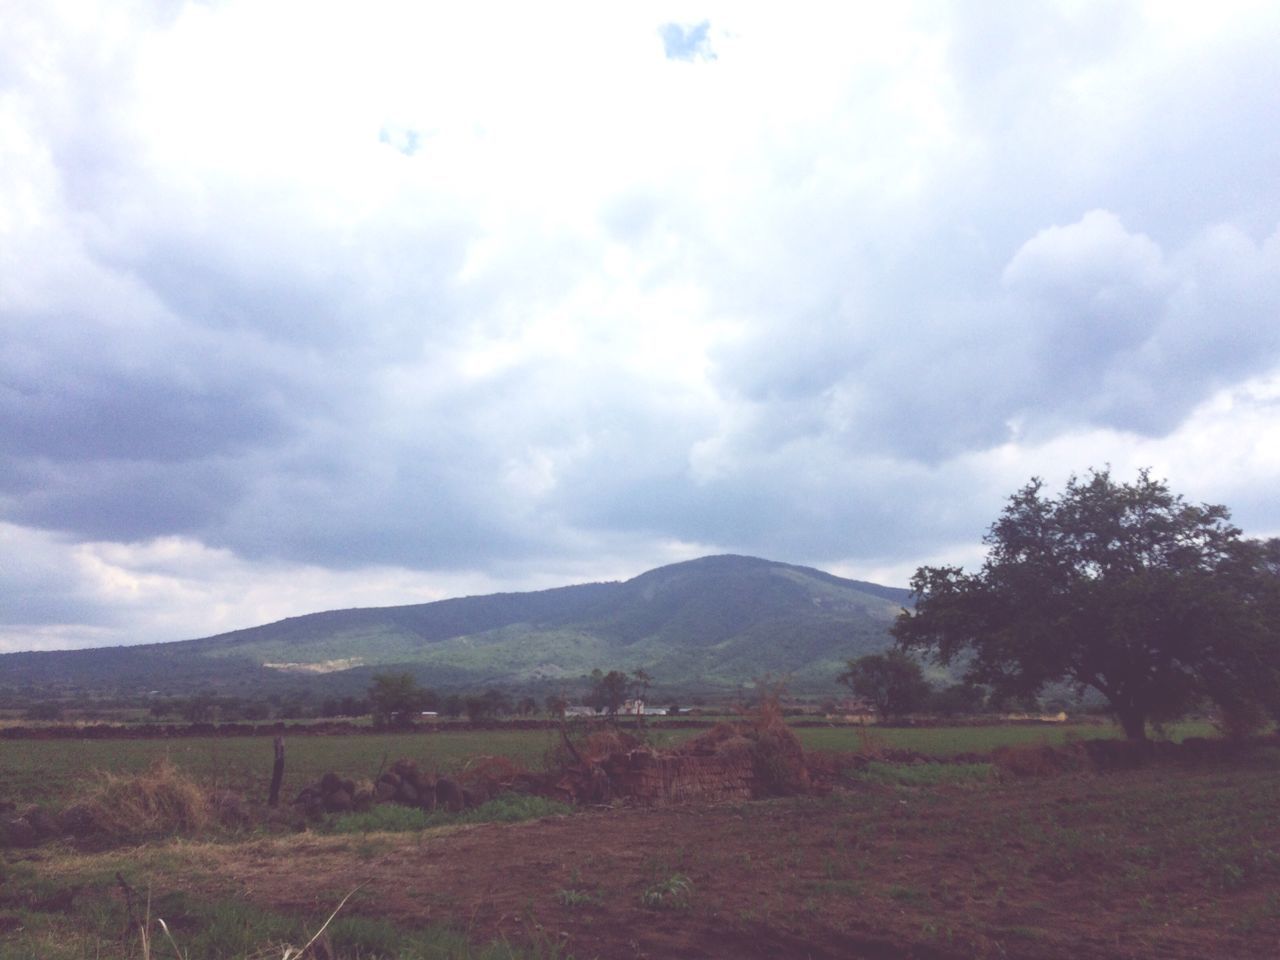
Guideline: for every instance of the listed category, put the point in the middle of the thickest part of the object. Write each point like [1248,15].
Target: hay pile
[160,801]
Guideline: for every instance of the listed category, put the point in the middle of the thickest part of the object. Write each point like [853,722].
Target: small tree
[892,682]
[556,704]
[640,683]
[608,691]
[394,698]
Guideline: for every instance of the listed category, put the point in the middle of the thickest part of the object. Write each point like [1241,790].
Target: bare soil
[1166,862]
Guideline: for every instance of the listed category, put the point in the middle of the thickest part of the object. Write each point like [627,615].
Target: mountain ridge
[713,622]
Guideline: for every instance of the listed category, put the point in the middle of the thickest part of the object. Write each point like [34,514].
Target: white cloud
[406,299]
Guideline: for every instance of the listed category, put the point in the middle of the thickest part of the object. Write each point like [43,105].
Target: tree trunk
[1133,722]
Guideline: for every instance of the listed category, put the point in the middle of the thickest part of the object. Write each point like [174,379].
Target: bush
[1241,720]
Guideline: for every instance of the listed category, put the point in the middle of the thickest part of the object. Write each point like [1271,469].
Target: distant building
[637,708]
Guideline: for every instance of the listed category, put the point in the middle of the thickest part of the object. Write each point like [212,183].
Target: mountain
[716,622]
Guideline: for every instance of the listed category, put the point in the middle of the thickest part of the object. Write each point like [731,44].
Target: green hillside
[716,622]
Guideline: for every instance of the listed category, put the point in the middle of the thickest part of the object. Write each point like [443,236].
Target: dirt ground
[1166,863]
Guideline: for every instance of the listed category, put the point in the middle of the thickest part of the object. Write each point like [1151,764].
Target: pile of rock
[334,794]
[404,784]
[728,762]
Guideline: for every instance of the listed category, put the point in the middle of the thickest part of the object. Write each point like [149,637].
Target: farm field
[1174,861]
[46,771]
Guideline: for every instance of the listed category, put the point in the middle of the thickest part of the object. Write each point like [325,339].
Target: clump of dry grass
[159,801]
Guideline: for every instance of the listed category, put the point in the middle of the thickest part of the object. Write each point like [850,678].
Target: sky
[312,305]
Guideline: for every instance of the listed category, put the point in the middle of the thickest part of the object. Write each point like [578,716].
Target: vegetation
[396,699]
[892,682]
[390,818]
[937,860]
[671,893]
[608,691]
[1124,588]
[713,623]
[66,768]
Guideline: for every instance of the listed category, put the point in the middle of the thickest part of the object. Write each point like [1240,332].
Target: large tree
[1126,588]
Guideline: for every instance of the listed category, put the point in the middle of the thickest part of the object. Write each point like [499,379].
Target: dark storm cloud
[74,410]
[828,300]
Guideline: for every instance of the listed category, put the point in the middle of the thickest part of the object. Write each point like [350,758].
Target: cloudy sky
[313,305]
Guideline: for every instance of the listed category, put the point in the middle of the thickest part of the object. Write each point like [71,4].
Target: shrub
[1241,720]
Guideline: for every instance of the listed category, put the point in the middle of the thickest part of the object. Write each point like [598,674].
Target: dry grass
[160,801]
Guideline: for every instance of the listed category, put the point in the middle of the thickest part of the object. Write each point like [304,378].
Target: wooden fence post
[277,774]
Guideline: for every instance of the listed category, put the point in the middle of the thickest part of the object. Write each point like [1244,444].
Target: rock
[44,823]
[339,802]
[305,796]
[448,795]
[406,769]
[330,782]
[406,793]
[78,820]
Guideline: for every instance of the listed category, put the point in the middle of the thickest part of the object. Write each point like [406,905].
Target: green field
[948,741]
[52,771]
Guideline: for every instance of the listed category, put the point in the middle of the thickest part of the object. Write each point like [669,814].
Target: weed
[578,898]
[1232,877]
[392,818]
[924,774]
[385,817]
[673,893]
[844,888]
[906,894]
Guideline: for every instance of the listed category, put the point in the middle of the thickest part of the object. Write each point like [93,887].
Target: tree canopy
[608,691]
[395,698]
[892,682]
[1125,588]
